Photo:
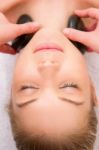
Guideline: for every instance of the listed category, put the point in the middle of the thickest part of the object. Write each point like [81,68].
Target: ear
[94,98]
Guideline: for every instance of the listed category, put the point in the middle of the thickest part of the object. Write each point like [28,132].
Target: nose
[48,68]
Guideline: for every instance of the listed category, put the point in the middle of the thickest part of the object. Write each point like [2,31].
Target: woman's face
[51,88]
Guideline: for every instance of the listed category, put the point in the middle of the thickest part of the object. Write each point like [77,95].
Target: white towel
[93,67]
[6,69]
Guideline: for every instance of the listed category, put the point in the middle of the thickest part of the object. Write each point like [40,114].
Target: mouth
[48,47]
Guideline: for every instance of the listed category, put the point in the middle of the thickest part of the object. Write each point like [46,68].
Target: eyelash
[65,85]
[28,87]
[73,85]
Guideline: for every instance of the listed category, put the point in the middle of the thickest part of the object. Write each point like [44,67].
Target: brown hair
[84,140]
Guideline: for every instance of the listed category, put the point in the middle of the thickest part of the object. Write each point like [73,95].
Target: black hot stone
[76,23]
[21,41]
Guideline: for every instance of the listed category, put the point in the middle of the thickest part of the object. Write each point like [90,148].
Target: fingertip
[28,28]
[97,102]
[71,32]
[32,25]
[76,11]
[66,31]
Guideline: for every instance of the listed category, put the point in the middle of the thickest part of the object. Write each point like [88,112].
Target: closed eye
[69,85]
[28,87]
[28,90]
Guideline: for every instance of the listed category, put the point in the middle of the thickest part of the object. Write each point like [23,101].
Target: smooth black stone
[21,41]
[76,23]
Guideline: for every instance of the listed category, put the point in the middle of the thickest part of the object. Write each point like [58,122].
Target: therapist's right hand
[9,31]
[91,38]
[92,3]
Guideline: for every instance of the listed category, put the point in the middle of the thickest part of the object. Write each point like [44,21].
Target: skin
[7,5]
[94,3]
[9,30]
[45,72]
[90,39]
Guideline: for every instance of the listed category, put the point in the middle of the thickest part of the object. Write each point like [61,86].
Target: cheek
[20,68]
[75,63]
[25,70]
[23,60]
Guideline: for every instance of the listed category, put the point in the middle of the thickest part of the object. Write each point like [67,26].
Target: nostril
[44,61]
[48,65]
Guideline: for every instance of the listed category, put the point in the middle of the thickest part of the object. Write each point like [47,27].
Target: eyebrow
[72,102]
[62,98]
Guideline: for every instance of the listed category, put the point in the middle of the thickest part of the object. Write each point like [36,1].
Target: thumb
[26,28]
[16,30]
[10,31]
[76,35]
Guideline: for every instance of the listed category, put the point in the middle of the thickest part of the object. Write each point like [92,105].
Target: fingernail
[77,11]
[90,50]
[66,31]
[34,24]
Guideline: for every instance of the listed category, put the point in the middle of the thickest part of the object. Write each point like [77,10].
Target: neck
[51,13]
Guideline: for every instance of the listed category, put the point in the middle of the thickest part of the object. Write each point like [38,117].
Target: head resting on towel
[53,98]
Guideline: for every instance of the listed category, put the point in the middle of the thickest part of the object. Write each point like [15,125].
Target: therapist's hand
[8,4]
[91,38]
[9,31]
[94,3]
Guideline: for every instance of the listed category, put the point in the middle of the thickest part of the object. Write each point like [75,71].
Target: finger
[26,28]
[79,36]
[91,3]
[90,12]
[94,3]
[11,31]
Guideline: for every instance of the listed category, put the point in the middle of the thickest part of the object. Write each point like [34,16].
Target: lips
[48,47]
